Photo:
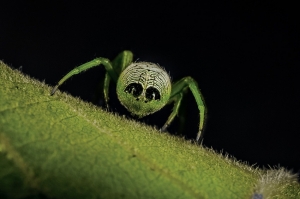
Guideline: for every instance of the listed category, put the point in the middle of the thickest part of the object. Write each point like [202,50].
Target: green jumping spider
[143,87]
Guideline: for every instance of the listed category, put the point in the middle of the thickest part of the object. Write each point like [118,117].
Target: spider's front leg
[178,90]
[113,70]
[86,66]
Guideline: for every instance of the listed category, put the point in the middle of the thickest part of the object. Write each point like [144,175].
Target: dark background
[244,56]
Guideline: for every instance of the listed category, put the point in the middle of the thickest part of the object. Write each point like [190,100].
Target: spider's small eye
[152,94]
[135,89]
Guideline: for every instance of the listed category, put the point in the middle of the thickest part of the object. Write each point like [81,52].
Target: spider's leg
[101,96]
[177,101]
[105,87]
[122,60]
[179,88]
[96,62]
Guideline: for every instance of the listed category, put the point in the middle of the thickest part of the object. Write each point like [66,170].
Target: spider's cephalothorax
[143,88]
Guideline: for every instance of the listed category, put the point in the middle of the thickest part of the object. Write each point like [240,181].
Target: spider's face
[143,88]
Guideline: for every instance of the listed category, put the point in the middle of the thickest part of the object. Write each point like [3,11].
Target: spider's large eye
[135,89]
[152,94]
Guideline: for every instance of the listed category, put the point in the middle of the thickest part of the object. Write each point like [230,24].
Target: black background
[244,56]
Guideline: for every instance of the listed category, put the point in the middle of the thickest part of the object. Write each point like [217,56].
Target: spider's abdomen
[143,88]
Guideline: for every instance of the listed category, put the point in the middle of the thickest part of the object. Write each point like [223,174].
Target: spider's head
[143,88]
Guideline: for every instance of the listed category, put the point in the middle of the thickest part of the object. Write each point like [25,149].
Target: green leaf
[61,147]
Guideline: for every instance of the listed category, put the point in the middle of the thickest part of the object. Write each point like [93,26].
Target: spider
[143,87]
